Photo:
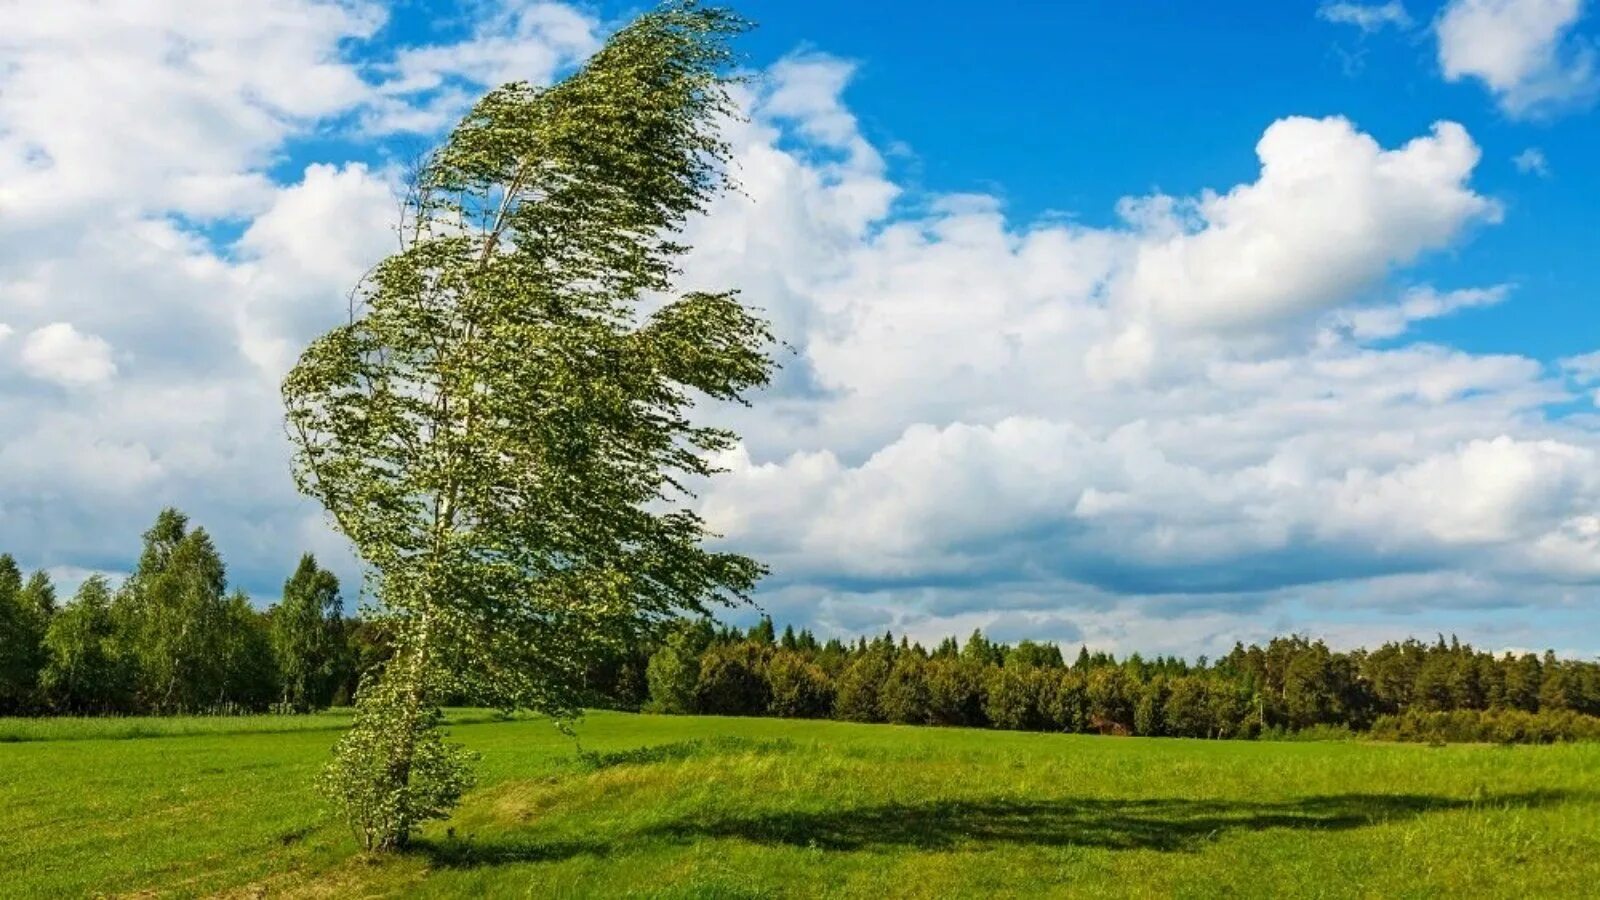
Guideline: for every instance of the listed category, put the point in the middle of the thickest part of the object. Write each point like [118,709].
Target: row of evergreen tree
[1289,685]
[172,638]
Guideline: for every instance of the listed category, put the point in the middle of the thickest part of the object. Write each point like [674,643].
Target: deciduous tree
[502,428]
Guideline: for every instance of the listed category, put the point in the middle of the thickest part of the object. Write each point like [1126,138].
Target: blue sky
[1152,328]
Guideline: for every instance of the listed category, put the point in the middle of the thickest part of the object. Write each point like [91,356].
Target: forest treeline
[173,639]
[1412,690]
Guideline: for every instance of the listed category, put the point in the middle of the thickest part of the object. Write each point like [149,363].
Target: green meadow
[719,807]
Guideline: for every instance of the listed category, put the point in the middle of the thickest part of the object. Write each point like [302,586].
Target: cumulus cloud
[1207,422]
[1524,51]
[60,353]
[981,428]
[156,253]
[1331,213]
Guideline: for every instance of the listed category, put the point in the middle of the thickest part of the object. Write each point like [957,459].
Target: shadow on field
[1170,825]
[593,761]
[1165,825]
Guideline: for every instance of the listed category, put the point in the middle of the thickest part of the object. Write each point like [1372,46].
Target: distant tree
[1012,696]
[85,671]
[674,670]
[763,633]
[22,631]
[1149,712]
[1067,701]
[1434,689]
[731,680]
[800,689]
[856,696]
[1555,688]
[981,650]
[174,609]
[1028,653]
[1082,662]
[955,690]
[1523,680]
[903,696]
[250,670]
[1111,699]
[1187,712]
[39,594]
[306,636]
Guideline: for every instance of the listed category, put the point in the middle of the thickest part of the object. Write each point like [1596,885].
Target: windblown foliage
[502,428]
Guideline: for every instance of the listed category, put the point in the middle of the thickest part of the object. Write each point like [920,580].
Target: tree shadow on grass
[680,750]
[472,853]
[1166,825]
[1169,825]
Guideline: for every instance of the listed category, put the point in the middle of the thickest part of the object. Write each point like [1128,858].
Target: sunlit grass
[708,807]
[96,728]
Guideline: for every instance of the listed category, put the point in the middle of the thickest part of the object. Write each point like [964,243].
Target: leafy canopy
[502,427]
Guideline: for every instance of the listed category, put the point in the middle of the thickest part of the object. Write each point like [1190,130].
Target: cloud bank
[1205,422]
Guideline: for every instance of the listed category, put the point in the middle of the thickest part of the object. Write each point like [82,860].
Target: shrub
[1503,726]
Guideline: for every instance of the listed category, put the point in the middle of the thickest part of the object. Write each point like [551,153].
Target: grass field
[706,807]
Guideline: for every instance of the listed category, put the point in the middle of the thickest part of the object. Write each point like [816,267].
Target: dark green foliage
[1110,692]
[1014,697]
[85,671]
[674,670]
[250,669]
[169,640]
[1067,701]
[858,688]
[731,680]
[1291,688]
[800,688]
[174,612]
[903,696]
[306,636]
[23,620]
[955,689]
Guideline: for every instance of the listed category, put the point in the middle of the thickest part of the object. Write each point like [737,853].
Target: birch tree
[502,429]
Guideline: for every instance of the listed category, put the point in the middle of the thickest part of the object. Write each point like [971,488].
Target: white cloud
[978,408]
[1418,304]
[1532,162]
[1524,51]
[1331,213]
[517,41]
[1369,17]
[60,353]
[128,129]
[1153,434]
